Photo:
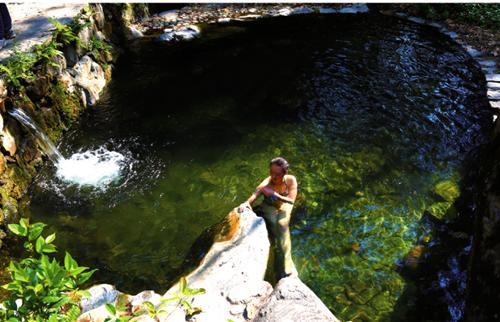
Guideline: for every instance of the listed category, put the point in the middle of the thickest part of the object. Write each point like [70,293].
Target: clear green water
[371,112]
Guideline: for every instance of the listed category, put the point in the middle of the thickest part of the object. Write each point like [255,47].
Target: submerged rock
[446,190]
[292,300]
[441,210]
[356,8]
[184,33]
[414,256]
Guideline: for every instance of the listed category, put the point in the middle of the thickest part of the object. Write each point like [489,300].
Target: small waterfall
[97,168]
[46,145]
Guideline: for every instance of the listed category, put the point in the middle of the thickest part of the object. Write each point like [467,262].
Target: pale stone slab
[232,273]
[293,301]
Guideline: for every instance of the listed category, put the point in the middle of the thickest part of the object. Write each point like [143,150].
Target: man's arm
[256,194]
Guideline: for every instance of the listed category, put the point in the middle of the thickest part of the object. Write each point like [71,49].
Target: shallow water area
[375,115]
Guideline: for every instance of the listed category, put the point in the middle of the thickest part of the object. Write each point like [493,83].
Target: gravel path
[30,23]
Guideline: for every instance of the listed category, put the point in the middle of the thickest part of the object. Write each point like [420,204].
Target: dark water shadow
[436,289]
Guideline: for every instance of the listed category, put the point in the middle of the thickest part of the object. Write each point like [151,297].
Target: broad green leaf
[35,231]
[49,248]
[24,222]
[170,299]
[83,293]
[51,299]
[69,262]
[182,284]
[38,288]
[40,242]
[77,271]
[50,238]
[17,229]
[194,291]
[111,309]
[85,276]
[187,305]
[149,306]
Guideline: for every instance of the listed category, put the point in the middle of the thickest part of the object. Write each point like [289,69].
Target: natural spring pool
[376,116]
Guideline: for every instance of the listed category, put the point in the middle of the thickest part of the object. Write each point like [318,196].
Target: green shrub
[19,68]
[41,289]
[64,34]
[479,14]
[181,298]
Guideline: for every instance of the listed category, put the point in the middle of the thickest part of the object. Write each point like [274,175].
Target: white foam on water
[96,168]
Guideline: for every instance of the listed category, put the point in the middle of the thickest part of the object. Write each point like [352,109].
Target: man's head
[278,167]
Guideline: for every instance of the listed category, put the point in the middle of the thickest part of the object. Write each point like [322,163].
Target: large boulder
[232,273]
[292,300]
[90,76]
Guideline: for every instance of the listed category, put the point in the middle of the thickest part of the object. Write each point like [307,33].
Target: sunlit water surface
[372,112]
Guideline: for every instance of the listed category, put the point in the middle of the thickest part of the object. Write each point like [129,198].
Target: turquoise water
[375,115]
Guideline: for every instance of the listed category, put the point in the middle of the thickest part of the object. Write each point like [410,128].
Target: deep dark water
[376,115]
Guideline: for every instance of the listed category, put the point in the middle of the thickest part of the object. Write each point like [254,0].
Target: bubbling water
[97,168]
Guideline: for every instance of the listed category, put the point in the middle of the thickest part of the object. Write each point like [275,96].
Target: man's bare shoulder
[290,179]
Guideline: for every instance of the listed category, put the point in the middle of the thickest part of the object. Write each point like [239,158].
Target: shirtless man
[279,191]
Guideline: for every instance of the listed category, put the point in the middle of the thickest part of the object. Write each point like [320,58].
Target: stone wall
[61,90]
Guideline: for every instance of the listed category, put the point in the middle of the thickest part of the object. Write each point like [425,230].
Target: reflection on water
[374,115]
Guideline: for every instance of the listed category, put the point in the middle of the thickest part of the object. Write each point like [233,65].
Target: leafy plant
[19,68]
[45,52]
[41,288]
[114,312]
[480,14]
[64,34]
[183,297]
[97,47]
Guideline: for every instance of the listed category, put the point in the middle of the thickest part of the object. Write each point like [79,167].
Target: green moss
[67,104]
[18,180]
[442,210]
[4,195]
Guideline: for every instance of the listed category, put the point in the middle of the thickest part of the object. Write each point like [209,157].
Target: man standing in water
[279,191]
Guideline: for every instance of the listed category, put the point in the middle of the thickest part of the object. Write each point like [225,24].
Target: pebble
[327,10]
[493,77]
[493,94]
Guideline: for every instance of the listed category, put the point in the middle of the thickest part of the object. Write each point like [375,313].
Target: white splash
[96,168]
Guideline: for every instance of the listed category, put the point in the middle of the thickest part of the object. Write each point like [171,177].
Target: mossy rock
[10,213]
[447,190]
[381,302]
[64,102]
